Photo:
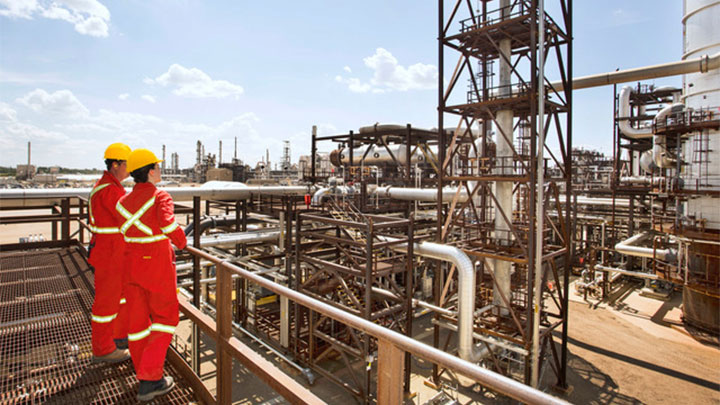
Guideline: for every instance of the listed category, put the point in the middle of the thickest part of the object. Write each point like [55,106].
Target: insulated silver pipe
[504,150]
[43,196]
[624,113]
[702,64]
[419,194]
[416,302]
[628,247]
[320,194]
[539,201]
[466,291]
[638,274]
[661,155]
[232,239]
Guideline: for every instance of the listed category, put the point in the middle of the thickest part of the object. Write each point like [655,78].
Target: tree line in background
[11,171]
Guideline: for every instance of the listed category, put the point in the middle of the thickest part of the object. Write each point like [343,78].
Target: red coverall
[152,284]
[109,312]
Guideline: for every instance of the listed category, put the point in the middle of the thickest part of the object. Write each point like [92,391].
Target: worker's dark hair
[109,163]
[141,175]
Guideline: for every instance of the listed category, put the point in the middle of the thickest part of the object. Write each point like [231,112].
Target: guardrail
[392,345]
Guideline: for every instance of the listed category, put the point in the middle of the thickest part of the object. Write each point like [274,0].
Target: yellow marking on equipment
[266,300]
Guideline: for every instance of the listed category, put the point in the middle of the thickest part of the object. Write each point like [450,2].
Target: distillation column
[503,189]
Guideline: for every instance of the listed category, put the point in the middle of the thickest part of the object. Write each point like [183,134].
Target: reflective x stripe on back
[134,219]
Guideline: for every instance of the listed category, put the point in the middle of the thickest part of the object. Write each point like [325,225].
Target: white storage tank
[701,36]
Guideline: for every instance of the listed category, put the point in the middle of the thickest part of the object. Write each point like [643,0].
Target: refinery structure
[389,252]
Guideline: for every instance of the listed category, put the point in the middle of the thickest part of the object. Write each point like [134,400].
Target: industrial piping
[232,239]
[628,247]
[35,197]
[661,156]
[624,272]
[624,114]
[320,194]
[419,194]
[466,291]
[702,64]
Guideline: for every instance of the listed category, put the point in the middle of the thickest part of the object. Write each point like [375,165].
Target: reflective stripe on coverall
[148,228]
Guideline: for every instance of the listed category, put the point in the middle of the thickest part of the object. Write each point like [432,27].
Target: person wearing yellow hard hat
[109,312]
[148,230]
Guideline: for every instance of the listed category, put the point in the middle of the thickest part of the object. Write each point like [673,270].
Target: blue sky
[76,75]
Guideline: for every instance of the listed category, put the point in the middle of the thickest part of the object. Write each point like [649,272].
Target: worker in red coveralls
[109,312]
[148,228]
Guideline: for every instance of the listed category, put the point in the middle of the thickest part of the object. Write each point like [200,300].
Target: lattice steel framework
[364,269]
[496,223]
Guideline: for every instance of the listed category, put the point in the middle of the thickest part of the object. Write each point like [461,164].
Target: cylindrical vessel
[701,36]
[701,91]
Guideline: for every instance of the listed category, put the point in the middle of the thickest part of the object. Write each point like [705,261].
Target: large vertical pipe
[196,284]
[570,230]
[437,280]
[313,154]
[539,221]
[220,153]
[162,166]
[503,189]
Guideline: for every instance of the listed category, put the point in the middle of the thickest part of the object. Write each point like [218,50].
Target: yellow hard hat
[140,158]
[117,151]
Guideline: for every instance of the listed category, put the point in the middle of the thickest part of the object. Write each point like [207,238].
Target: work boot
[121,344]
[151,389]
[119,355]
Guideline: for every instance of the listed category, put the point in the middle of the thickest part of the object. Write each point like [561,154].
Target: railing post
[223,289]
[65,230]
[238,250]
[243,282]
[81,212]
[196,285]
[391,369]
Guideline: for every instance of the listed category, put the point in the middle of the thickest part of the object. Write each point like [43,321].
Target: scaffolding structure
[496,224]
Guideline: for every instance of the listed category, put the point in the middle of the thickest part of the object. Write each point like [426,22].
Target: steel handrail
[490,379]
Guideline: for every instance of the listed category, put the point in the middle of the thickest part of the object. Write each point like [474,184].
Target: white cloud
[79,141]
[89,17]
[347,69]
[389,75]
[61,102]
[124,121]
[32,132]
[7,113]
[194,82]
[94,26]
[18,8]
[148,98]
[124,96]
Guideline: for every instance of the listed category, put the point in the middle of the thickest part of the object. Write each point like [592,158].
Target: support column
[196,286]
[503,189]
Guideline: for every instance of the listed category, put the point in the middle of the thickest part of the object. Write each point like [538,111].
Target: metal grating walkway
[45,301]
